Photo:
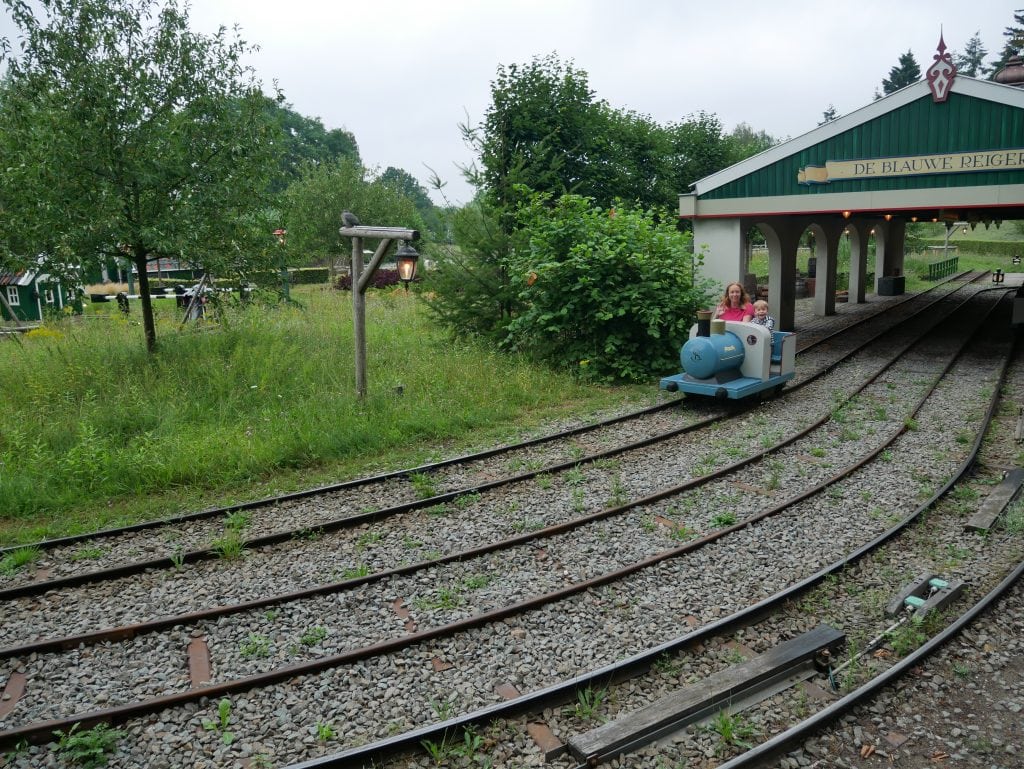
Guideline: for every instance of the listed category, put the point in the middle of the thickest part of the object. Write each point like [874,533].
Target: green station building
[945,149]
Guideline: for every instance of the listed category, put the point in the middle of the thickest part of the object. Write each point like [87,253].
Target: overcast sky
[402,74]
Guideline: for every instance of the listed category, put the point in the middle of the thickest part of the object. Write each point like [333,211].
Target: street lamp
[361,277]
[407,256]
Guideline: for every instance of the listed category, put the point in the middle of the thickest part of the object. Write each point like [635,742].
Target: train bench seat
[776,360]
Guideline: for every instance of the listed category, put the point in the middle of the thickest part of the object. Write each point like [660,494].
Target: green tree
[1014,35]
[537,133]
[698,149]
[546,132]
[123,133]
[743,141]
[972,61]
[407,184]
[906,72]
[609,294]
[829,115]
[306,140]
[311,209]
[469,291]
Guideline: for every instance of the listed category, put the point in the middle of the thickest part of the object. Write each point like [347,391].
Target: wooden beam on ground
[996,502]
[717,692]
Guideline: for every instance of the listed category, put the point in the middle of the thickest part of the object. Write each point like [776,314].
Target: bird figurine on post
[349,219]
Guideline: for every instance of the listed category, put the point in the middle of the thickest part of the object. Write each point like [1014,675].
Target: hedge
[306,275]
[382,278]
[990,247]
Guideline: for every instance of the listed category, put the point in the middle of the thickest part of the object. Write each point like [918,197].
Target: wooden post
[14,315]
[359,317]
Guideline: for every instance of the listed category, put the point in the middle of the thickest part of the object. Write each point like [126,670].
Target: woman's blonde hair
[744,298]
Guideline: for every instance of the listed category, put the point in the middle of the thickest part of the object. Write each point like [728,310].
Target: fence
[938,270]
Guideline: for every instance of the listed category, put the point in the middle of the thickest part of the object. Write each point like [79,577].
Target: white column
[722,243]
[826,249]
[782,238]
[860,233]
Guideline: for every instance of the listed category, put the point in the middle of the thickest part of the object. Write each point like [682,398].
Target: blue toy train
[728,359]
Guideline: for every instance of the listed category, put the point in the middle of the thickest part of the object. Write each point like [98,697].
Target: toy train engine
[727,359]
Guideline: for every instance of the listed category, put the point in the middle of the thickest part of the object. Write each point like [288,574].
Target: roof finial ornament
[941,73]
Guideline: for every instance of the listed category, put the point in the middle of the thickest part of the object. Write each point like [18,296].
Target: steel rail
[42,731]
[780,743]
[193,556]
[430,466]
[565,692]
[125,632]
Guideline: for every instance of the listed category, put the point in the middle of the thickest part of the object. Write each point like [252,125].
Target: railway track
[570,561]
[898,559]
[579,494]
[171,543]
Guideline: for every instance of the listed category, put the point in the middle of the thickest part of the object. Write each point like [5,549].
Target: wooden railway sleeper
[733,688]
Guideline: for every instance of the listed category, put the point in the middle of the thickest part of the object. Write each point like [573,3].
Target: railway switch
[925,593]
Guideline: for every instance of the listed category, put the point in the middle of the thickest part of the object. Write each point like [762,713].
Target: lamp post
[361,280]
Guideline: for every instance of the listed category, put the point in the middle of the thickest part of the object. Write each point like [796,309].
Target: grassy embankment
[96,433]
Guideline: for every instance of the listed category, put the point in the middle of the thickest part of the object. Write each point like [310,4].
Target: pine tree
[972,61]
[906,72]
[1014,42]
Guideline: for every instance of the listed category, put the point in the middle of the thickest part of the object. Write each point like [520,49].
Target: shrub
[89,747]
[610,294]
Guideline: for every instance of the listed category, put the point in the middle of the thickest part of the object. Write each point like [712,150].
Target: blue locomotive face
[741,360]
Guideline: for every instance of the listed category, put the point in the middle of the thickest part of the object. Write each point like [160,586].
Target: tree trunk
[147,303]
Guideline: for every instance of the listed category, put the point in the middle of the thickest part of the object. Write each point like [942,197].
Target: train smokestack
[703,322]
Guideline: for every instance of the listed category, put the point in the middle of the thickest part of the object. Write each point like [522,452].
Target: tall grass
[90,420]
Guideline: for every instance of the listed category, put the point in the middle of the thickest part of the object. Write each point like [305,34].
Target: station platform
[804,318]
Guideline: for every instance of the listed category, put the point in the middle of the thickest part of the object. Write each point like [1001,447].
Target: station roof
[906,154]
